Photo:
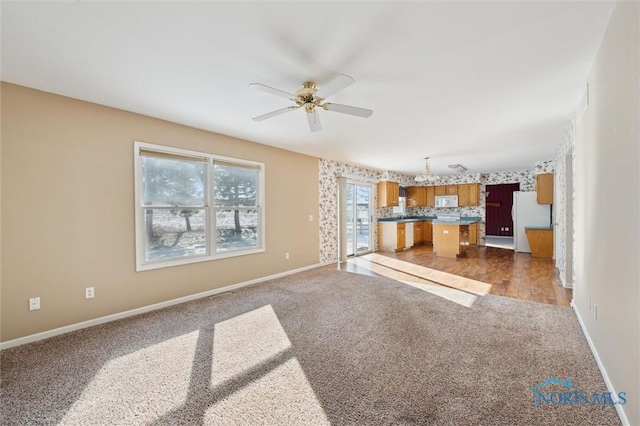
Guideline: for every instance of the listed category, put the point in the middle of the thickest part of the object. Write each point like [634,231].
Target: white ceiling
[490,85]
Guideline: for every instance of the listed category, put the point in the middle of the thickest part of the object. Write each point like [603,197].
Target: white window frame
[210,210]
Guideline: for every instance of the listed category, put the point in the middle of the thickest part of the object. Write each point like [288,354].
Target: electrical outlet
[286,255]
[310,218]
[89,293]
[34,303]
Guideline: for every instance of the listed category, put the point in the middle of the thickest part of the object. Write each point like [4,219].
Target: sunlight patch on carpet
[246,341]
[250,345]
[283,396]
[157,376]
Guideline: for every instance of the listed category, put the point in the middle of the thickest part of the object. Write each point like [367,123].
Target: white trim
[137,311]
[603,371]
[358,179]
[563,280]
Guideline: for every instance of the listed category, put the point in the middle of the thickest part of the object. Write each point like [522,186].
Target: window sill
[196,259]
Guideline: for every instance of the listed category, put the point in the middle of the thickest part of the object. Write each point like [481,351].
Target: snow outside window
[174,221]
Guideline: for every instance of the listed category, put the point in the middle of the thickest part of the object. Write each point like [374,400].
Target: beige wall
[607,207]
[68,212]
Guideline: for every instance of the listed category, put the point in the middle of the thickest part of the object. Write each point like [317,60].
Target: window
[401,208]
[236,206]
[176,223]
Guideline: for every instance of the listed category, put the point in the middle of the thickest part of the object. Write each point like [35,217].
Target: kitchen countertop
[406,219]
[463,220]
[538,228]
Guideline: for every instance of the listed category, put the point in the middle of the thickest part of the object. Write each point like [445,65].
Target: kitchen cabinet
[451,189]
[474,194]
[469,194]
[431,196]
[417,196]
[440,190]
[395,236]
[463,195]
[540,242]
[544,188]
[450,240]
[473,234]
[401,237]
[418,236]
[388,193]
[427,232]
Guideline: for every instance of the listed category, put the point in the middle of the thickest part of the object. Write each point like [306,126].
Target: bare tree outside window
[236,206]
[195,206]
[175,217]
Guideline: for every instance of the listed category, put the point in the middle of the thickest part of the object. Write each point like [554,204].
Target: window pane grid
[237,229]
[174,195]
[175,233]
[173,182]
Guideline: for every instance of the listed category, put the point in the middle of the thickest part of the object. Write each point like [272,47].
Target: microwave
[446,201]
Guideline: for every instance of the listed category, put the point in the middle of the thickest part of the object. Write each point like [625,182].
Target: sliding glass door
[358,209]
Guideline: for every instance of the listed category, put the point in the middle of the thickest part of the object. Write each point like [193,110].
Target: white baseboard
[78,326]
[564,283]
[607,381]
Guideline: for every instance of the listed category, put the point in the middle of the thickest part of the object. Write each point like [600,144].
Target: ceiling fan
[310,96]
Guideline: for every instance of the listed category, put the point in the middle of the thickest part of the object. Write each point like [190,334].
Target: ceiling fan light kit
[310,96]
[426,176]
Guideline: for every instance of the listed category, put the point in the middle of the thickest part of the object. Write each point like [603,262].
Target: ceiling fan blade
[273,113]
[335,85]
[346,109]
[273,91]
[314,121]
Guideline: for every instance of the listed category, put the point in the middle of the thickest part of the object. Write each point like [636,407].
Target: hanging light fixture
[426,176]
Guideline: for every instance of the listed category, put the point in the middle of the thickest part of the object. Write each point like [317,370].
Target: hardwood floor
[509,274]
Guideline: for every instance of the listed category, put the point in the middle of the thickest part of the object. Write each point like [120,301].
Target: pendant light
[426,176]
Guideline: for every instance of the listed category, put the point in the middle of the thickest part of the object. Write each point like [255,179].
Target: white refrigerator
[526,212]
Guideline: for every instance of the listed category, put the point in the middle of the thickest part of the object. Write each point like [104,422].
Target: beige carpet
[320,347]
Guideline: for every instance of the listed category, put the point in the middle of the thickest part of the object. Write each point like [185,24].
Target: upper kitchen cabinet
[441,190]
[544,188]
[452,189]
[388,193]
[469,194]
[417,196]
[431,196]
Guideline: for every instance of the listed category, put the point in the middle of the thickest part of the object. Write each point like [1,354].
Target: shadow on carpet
[319,347]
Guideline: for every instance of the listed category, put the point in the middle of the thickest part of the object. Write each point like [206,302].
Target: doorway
[498,205]
[568,280]
[358,198]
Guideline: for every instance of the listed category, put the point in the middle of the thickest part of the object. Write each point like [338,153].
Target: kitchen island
[402,233]
[451,236]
